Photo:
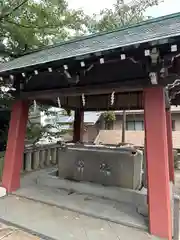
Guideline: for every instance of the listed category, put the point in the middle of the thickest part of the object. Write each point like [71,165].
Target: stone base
[135,197]
[3,192]
[143,210]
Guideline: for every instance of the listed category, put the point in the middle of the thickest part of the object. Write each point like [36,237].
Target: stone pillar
[23,164]
[15,146]
[28,162]
[78,126]
[159,203]
[54,155]
[170,144]
[48,157]
[42,158]
[36,161]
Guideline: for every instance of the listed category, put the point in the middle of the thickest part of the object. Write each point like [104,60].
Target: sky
[93,6]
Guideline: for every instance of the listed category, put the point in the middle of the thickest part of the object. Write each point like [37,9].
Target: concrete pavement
[58,224]
[118,211]
[51,222]
[11,233]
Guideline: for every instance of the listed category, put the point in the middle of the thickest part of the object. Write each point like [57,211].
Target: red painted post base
[15,146]
[170,145]
[160,222]
[78,126]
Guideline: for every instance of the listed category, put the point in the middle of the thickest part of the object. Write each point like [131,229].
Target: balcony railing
[39,157]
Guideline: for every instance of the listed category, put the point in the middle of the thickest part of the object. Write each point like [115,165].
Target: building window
[173,125]
[135,125]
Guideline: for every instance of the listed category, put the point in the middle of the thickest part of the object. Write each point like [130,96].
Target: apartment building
[135,128]
[97,131]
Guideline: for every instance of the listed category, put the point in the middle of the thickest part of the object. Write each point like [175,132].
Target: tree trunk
[124,127]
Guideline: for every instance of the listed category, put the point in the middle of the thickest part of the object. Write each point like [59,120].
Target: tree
[51,130]
[109,118]
[26,25]
[121,15]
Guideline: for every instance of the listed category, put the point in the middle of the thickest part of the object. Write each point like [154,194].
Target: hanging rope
[83,100]
[112,98]
[35,105]
[59,102]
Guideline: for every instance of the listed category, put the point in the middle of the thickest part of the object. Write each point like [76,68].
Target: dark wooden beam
[95,89]
[87,90]
[90,109]
[123,101]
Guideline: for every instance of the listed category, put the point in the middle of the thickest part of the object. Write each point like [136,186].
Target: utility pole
[123,140]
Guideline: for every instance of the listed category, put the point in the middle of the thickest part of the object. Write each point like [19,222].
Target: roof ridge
[78,39]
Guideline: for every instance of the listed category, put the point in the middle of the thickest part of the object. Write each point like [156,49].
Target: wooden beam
[78,91]
[123,101]
[96,89]
[78,126]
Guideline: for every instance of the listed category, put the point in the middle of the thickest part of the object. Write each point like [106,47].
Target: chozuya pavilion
[126,68]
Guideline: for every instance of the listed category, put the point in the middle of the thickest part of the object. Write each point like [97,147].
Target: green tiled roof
[155,29]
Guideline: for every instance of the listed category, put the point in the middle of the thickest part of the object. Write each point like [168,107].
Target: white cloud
[90,7]
[94,6]
[167,7]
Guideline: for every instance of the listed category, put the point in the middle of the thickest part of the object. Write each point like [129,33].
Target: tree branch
[13,10]
[33,26]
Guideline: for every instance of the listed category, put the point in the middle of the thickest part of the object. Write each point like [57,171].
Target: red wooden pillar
[170,145]
[157,163]
[15,146]
[78,126]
